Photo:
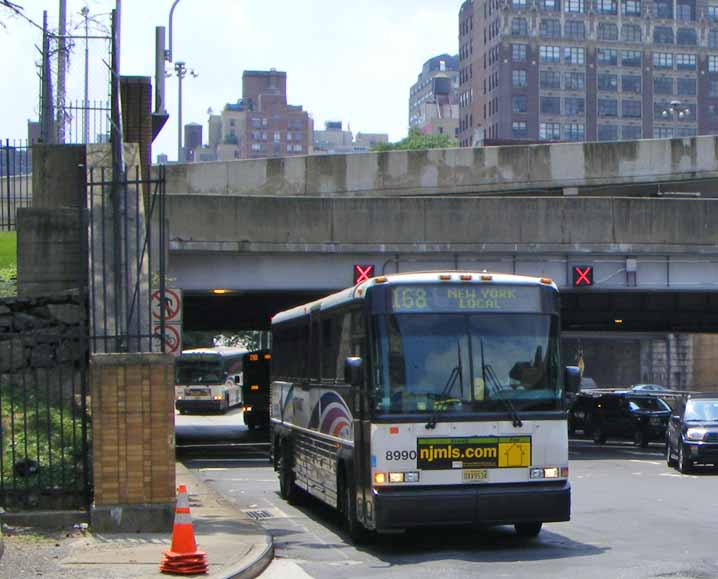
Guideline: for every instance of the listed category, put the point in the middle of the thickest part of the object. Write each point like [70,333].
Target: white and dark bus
[423,399]
[209,379]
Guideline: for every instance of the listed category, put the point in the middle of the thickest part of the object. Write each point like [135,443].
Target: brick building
[262,124]
[433,99]
[583,70]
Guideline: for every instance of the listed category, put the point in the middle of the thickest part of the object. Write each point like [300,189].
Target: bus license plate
[475,475]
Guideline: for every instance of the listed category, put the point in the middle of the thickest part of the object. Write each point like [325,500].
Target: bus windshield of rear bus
[199,370]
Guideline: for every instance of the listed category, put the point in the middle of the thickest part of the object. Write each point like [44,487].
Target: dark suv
[641,418]
[692,435]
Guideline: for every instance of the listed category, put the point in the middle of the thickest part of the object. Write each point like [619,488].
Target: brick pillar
[133,442]
[136,95]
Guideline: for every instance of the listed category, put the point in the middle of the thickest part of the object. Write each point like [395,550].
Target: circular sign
[172,304]
[171,338]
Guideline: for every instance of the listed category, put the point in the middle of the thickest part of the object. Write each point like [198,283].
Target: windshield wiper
[456,375]
[489,376]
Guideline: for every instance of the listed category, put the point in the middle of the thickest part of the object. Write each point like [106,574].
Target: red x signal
[582,275]
[362,273]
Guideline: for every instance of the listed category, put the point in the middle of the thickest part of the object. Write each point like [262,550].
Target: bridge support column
[133,442]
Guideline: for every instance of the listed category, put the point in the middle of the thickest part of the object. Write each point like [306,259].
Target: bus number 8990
[400,455]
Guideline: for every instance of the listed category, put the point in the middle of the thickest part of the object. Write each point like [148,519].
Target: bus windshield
[195,370]
[466,363]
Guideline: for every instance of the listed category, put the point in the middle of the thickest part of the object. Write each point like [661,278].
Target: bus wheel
[356,531]
[287,489]
[528,530]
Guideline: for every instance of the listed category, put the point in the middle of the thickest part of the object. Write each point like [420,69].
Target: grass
[8,264]
[39,427]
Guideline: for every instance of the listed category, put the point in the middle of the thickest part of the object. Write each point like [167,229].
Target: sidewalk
[235,545]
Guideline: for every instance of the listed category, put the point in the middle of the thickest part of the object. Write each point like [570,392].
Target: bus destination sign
[465,297]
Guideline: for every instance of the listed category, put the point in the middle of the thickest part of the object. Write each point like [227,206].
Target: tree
[417,140]
[13,7]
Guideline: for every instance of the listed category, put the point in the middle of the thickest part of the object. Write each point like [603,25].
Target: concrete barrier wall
[446,171]
[220,223]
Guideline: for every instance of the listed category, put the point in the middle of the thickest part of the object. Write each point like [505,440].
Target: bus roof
[359,291]
[221,351]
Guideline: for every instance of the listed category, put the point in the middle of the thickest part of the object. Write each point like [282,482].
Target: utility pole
[85,11]
[61,71]
[181,71]
[47,113]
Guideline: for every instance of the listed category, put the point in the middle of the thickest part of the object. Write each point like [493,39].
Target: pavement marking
[645,461]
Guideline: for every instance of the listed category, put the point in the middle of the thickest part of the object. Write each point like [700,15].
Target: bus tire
[288,490]
[528,530]
[356,531]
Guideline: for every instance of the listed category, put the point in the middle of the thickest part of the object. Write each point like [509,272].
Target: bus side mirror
[236,380]
[572,379]
[354,371]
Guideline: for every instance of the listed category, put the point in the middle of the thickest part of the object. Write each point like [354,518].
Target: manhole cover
[259,515]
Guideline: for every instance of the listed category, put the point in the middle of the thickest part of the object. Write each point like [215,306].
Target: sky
[346,60]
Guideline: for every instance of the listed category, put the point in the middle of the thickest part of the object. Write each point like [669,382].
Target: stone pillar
[133,442]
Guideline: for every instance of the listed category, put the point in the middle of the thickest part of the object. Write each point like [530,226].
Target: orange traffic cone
[183,558]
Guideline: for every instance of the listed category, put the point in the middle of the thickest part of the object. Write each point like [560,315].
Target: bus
[255,390]
[209,379]
[422,399]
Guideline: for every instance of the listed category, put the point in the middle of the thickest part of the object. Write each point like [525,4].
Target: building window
[519,103]
[574,81]
[607,132]
[550,105]
[631,33]
[277,136]
[574,55]
[608,82]
[549,131]
[518,4]
[607,6]
[685,12]
[663,9]
[631,84]
[608,56]
[550,28]
[630,132]
[607,31]
[663,60]
[663,35]
[663,132]
[713,39]
[631,109]
[686,61]
[712,63]
[549,54]
[550,80]
[607,108]
[631,8]
[518,52]
[686,87]
[256,147]
[519,27]
[574,6]
[713,13]
[519,79]
[573,131]
[519,130]
[574,30]
[686,37]
[574,106]
[551,5]
[663,85]
[713,88]
[631,58]
[685,132]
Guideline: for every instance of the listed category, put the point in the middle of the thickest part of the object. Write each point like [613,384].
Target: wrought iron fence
[15,181]
[127,259]
[44,431]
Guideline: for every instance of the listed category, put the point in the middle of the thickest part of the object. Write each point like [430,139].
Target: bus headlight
[396,477]
[546,472]
[379,478]
[217,397]
[411,477]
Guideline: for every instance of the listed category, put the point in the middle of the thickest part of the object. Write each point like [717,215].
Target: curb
[251,565]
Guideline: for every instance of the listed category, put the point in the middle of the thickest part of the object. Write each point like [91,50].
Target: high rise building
[192,141]
[575,70]
[262,124]
[334,139]
[433,99]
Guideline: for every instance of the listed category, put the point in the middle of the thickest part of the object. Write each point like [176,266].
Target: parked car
[626,415]
[580,412]
[692,435]
[648,388]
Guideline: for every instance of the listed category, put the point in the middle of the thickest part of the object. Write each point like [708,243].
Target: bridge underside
[621,311]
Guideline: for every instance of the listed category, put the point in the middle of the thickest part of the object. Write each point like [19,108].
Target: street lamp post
[181,71]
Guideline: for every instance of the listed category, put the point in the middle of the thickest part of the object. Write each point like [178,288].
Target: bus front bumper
[199,404]
[476,505]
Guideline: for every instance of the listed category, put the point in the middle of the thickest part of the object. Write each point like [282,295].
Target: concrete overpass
[643,214]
